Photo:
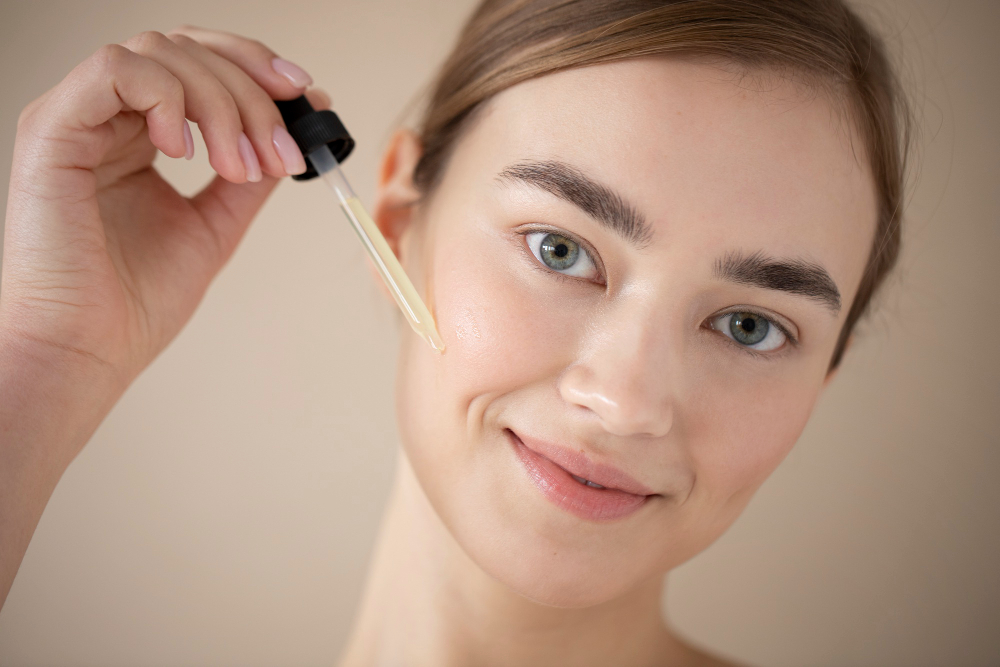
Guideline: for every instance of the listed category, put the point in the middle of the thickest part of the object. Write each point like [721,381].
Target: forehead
[707,156]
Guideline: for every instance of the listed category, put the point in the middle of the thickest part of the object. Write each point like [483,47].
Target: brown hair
[506,42]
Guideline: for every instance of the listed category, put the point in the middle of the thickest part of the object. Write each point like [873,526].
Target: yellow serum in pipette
[392,273]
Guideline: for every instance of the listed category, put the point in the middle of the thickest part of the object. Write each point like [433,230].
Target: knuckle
[149,41]
[110,55]
[180,39]
[110,58]
[29,111]
[22,118]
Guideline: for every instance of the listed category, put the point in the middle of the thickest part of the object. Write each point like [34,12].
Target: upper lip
[579,464]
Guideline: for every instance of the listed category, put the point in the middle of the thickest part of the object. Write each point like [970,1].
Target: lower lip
[584,501]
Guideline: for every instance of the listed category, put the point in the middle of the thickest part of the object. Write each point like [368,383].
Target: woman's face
[640,271]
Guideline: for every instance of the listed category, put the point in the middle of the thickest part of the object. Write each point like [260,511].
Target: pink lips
[552,468]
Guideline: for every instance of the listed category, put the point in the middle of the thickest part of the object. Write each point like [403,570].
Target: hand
[103,260]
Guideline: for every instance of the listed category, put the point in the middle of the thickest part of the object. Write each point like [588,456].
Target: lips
[557,472]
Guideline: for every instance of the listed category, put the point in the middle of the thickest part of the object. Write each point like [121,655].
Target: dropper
[325,142]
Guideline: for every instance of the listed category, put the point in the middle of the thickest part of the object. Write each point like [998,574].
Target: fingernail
[288,151]
[295,74]
[250,162]
[188,142]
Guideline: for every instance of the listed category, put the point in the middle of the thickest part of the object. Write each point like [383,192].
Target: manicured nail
[188,142]
[295,74]
[288,151]
[250,162]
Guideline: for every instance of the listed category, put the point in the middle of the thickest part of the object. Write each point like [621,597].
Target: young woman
[645,229]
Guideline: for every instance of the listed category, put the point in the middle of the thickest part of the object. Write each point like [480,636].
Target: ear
[832,373]
[396,194]
[393,210]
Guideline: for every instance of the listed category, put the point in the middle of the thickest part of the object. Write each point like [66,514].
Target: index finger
[281,79]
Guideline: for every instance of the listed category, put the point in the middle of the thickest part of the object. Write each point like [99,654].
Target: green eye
[559,252]
[562,254]
[750,330]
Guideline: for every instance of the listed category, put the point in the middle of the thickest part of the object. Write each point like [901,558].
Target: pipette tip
[435,341]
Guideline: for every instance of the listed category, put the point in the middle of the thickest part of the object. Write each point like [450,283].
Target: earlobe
[393,208]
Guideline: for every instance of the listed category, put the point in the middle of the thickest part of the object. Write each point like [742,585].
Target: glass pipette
[385,261]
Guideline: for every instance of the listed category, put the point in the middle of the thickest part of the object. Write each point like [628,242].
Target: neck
[427,603]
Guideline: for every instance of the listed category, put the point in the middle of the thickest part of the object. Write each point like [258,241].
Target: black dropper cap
[312,129]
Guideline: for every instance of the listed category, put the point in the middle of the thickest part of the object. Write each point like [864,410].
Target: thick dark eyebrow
[598,201]
[794,276]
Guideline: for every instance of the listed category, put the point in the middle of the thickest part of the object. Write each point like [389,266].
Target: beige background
[224,512]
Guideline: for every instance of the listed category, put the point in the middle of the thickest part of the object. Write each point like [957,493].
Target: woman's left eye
[750,330]
[562,254]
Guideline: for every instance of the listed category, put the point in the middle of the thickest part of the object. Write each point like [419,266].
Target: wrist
[51,402]
[51,399]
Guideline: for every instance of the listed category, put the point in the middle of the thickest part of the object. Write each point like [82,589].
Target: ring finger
[262,122]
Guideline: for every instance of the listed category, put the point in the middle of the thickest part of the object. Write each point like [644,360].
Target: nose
[623,377]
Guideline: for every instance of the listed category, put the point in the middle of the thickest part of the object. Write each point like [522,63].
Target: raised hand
[104,261]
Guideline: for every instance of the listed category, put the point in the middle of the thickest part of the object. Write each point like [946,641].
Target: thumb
[228,208]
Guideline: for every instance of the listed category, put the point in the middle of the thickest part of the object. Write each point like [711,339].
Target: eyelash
[596,259]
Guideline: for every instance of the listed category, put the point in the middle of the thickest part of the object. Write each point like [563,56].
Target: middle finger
[262,122]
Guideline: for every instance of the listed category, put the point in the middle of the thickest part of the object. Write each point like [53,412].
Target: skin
[627,371]
[104,261]
[473,564]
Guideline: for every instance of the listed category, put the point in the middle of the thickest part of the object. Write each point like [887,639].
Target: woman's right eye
[562,254]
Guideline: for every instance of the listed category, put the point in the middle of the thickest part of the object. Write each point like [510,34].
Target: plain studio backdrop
[225,510]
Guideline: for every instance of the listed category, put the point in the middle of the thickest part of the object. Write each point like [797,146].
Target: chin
[557,583]
[521,540]
[555,559]
[547,569]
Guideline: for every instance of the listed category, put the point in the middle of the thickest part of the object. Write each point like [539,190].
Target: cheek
[735,434]
[500,332]
[499,336]
[738,433]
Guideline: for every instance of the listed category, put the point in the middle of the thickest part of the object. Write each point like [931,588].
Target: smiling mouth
[575,494]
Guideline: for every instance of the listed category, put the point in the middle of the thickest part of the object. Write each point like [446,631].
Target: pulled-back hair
[506,42]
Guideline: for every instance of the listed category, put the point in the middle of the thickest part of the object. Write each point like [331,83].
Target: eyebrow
[794,276]
[598,201]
